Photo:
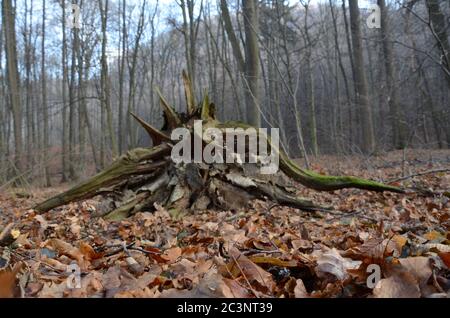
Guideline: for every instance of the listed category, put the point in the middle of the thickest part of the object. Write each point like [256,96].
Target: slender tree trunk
[423,84]
[232,36]
[44,99]
[80,55]
[352,117]
[72,105]
[132,74]
[250,11]
[368,144]
[64,151]
[439,28]
[398,127]
[310,85]
[190,32]
[105,85]
[13,80]
[123,39]
[30,136]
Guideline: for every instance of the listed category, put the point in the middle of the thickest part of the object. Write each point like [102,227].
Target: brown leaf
[33,288]
[8,284]
[55,264]
[300,290]
[445,258]
[301,244]
[88,252]
[272,261]
[419,267]
[234,290]
[241,265]
[209,286]
[65,248]
[333,263]
[435,237]
[402,285]
[52,290]
[171,255]
[111,279]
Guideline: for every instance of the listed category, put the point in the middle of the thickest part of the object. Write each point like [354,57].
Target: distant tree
[249,66]
[397,122]
[13,80]
[368,142]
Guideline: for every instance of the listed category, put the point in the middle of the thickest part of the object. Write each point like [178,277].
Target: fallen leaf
[65,248]
[172,254]
[400,240]
[445,258]
[272,261]
[435,237]
[88,252]
[402,285]
[8,284]
[242,265]
[300,290]
[234,290]
[419,267]
[331,262]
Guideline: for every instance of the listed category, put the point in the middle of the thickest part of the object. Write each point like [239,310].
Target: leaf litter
[265,251]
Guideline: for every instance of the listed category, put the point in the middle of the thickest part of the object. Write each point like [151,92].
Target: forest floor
[267,251]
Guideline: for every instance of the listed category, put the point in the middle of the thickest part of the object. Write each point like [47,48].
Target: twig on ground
[118,250]
[254,250]
[340,214]
[125,248]
[418,175]
[144,251]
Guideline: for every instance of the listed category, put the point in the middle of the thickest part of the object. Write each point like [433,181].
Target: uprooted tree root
[151,176]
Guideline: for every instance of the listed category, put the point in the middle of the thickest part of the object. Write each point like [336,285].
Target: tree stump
[150,175]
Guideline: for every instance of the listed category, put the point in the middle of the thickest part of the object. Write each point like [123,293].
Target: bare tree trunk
[44,100]
[83,105]
[439,28]
[340,65]
[105,85]
[339,57]
[250,66]
[423,84]
[64,151]
[190,33]
[251,26]
[398,127]
[232,36]
[368,144]
[73,103]
[30,134]
[13,80]
[226,70]
[310,85]
[123,41]
[3,121]
[132,74]
[152,58]
[352,118]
